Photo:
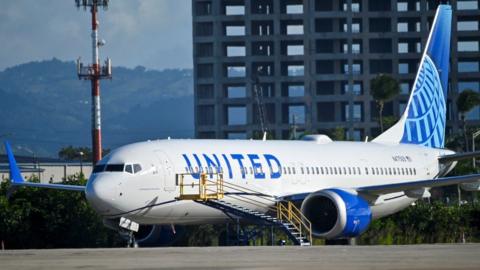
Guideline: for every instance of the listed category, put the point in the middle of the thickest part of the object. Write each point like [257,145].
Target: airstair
[212,191]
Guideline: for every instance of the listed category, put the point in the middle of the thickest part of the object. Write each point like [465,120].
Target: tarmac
[461,256]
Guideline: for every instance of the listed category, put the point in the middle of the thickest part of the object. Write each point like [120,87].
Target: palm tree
[466,101]
[383,88]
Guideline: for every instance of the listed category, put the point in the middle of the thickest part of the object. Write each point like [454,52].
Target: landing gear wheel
[131,241]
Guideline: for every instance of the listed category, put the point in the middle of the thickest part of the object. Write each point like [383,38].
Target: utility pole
[95,72]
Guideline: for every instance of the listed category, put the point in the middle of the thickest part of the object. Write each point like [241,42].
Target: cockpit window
[128,168]
[137,168]
[98,168]
[114,168]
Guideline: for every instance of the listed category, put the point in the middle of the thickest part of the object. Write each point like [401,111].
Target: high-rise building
[306,65]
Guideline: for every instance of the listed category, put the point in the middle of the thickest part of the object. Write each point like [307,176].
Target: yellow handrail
[292,214]
[286,211]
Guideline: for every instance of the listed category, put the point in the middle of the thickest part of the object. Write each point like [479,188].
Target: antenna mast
[95,72]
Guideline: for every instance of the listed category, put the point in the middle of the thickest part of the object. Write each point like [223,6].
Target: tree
[78,153]
[383,88]
[466,101]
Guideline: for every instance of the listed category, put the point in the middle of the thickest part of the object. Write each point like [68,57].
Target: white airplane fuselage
[274,168]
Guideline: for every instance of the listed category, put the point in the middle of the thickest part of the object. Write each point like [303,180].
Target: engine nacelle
[337,213]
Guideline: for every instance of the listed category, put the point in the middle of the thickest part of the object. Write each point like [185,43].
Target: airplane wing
[17,180]
[458,156]
[374,191]
[412,185]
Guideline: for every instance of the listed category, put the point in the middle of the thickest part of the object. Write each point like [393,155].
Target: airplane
[339,186]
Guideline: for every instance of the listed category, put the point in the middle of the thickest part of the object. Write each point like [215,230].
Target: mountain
[44,106]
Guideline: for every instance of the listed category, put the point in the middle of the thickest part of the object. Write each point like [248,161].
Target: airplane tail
[424,119]
[15,175]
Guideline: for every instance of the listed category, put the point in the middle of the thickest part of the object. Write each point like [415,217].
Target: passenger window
[414,171]
[366,171]
[293,170]
[289,170]
[308,170]
[318,171]
[284,170]
[128,168]
[321,170]
[301,169]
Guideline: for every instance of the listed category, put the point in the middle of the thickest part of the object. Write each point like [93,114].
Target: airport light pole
[95,72]
[81,162]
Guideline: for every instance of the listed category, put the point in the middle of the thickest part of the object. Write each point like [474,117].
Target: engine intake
[336,213]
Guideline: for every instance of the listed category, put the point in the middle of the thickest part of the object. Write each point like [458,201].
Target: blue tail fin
[15,175]
[424,119]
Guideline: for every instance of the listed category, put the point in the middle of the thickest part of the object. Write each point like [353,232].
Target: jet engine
[337,213]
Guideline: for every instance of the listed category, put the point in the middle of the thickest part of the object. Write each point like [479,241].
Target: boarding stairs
[214,192]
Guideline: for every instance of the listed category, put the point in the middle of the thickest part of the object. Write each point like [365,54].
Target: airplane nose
[100,193]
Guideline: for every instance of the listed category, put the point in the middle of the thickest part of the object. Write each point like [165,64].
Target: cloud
[152,33]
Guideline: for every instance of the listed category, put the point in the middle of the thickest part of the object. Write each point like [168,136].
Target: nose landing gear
[128,228]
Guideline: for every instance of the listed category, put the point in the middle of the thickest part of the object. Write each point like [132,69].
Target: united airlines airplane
[340,186]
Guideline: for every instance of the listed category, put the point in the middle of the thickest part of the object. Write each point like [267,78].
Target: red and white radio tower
[95,72]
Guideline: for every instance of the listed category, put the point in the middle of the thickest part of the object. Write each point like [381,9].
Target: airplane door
[166,173]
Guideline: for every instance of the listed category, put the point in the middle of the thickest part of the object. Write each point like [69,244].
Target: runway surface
[322,257]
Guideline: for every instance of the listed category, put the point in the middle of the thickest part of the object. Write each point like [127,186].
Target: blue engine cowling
[337,213]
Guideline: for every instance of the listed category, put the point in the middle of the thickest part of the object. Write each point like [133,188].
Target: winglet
[15,175]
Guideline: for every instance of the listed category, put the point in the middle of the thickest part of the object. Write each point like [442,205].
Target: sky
[156,34]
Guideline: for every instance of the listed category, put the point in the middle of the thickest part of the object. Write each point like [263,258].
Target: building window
[468,66]
[236,51]
[262,48]
[467,5]
[262,28]
[236,71]
[296,114]
[206,115]
[467,25]
[403,68]
[402,47]
[404,88]
[356,112]
[236,91]
[402,6]
[296,90]
[356,88]
[204,29]
[203,8]
[467,46]
[295,29]
[236,135]
[235,30]
[356,48]
[356,28]
[402,27]
[295,70]
[294,9]
[205,71]
[236,115]
[295,49]
[205,91]
[235,10]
